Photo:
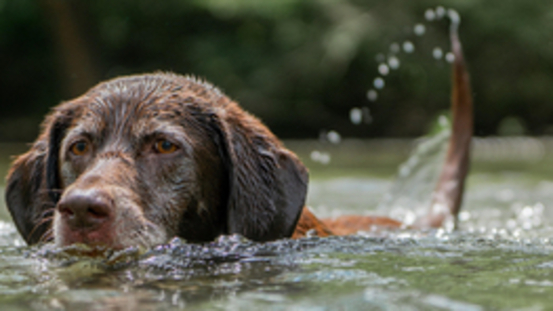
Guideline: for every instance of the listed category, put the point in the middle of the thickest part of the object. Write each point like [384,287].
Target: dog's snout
[86,209]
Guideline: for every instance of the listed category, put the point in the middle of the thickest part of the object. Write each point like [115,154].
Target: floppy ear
[33,183]
[268,183]
[26,195]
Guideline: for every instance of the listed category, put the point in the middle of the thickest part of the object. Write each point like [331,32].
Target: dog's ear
[26,197]
[33,182]
[268,183]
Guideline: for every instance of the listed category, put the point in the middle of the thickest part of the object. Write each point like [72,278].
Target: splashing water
[383,69]
[450,57]
[379,83]
[320,157]
[440,12]
[437,53]
[430,15]
[411,193]
[419,29]
[372,95]
[359,115]
[408,47]
[356,116]
[334,137]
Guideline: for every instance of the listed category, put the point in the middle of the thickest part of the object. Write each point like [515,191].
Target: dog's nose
[85,209]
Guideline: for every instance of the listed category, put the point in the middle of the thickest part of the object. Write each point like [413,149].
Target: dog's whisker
[39,223]
[47,235]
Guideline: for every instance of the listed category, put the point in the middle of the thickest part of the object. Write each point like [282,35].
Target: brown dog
[140,159]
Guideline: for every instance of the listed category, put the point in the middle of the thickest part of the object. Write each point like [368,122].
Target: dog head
[140,159]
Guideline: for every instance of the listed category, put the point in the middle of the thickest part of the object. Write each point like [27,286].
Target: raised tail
[448,195]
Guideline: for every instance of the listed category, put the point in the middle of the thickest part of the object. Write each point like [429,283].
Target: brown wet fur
[308,223]
[227,174]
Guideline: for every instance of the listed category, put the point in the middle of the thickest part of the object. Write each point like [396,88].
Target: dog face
[140,159]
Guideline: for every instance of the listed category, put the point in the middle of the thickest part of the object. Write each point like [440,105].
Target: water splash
[383,69]
[360,115]
[454,18]
[408,47]
[372,95]
[419,29]
[430,15]
[356,116]
[393,62]
[379,83]
[411,192]
[320,157]
[334,137]
[450,57]
[323,157]
[440,12]
[437,53]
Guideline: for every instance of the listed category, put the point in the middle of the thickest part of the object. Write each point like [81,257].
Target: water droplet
[526,212]
[321,157]
[380,57]
[464,216]
[454,17]
[325,158]
[419,29]
[450,57]
[367,117]
[437,53]
[394,47]
[430,15]
[404,171]
[440,12]
[409,218]
[383,69]
[334,137]
[393,62]
[538,208]
[379,83]
[356,116]
[408,47]
[443,121]
[372,95]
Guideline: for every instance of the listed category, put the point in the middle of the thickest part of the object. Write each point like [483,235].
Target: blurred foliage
[300,65]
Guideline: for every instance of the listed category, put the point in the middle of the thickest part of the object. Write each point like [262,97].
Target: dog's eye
[165,146]
[80,148]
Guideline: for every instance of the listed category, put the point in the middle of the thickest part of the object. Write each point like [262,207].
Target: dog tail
[448,194]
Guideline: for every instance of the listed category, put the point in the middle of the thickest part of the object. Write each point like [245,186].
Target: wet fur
[230,175]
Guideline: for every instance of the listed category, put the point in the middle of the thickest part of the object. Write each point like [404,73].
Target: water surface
[500,258]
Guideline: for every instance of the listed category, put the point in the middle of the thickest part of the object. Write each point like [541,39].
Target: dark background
[300,65]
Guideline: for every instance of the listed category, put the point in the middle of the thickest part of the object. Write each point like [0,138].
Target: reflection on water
[501,258]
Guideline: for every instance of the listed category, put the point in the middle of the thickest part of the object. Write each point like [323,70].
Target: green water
[501,258]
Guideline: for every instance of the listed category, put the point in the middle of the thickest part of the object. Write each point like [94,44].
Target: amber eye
[165,146]
[80,148]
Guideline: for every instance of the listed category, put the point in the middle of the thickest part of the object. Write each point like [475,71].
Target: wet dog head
[140,159]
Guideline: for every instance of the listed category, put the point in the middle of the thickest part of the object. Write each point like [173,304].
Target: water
[501,258]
